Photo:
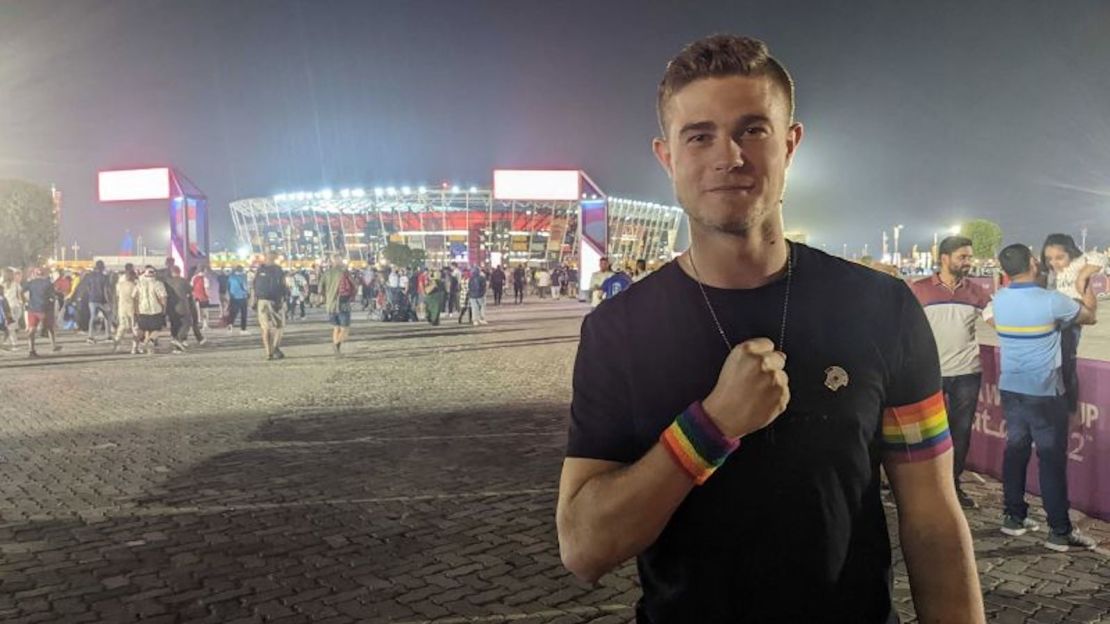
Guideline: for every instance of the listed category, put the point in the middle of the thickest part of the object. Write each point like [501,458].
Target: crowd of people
[136,306]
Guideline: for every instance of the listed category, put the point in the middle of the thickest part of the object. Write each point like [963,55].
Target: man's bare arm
[936,542]
[609,512]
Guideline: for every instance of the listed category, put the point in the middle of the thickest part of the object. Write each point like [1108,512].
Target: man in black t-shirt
[732,410]
[270,293]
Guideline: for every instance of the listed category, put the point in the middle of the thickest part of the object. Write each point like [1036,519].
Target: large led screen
[133,184]
[523,185]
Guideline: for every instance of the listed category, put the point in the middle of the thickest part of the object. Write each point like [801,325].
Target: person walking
[152,305]
[127,309]
[179,309]
[238,299]
[338,289]
[269,295]
[497,284]
[518,285]
[38,303]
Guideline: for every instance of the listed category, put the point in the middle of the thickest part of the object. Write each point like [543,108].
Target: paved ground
[413,481]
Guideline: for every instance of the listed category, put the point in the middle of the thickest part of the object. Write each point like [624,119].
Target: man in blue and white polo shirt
[1028,319]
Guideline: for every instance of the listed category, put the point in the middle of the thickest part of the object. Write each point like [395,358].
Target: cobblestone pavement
[412,481]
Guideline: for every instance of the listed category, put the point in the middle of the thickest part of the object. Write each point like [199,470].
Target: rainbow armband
[696,444]
[916,432]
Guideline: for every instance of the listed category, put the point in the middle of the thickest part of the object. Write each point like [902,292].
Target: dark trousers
[237,306]
[518,293]
[1042,421]
[180,324]
[961,396]
[194,320]
[1069,345]
[497,292]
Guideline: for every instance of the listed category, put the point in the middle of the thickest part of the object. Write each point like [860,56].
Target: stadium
[532,218]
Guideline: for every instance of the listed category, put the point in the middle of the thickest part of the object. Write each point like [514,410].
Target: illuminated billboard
[535,185]
[133,184]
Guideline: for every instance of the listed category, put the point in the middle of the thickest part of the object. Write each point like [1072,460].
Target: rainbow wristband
[696,444]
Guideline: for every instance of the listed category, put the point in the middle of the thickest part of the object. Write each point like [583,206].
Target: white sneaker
[1064,543]
[1014,527]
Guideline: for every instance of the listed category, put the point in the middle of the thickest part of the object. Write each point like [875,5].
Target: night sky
[921,113]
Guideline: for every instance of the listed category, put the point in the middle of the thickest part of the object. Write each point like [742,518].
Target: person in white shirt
[151,307]
[543,282]
[596,280]
[1069,271]
[127,307]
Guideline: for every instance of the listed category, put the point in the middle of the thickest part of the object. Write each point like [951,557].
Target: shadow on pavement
[380,516]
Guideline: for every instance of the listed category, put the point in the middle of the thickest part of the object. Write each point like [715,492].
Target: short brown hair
[718,56]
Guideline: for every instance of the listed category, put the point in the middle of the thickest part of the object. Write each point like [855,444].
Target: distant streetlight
[897,231]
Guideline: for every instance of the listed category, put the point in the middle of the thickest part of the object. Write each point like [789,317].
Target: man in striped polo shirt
[1028,319]
[953,304]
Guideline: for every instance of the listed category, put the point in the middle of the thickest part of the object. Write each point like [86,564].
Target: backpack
[269,284]
[346,286]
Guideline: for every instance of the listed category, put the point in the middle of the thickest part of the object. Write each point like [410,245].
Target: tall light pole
[1083,237]
[897,231]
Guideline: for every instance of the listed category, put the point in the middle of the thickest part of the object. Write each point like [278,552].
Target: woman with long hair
[1068,270]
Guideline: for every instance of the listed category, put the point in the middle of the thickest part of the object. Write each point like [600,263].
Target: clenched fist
[752,390]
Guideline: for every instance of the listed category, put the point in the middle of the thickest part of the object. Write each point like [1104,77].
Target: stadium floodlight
[406,190]
[358,193]
[378,191]
[345,193]
[422,190]
[244,252]
[325,194]
[280,197]
[455,189]
[391,191]
[474,189]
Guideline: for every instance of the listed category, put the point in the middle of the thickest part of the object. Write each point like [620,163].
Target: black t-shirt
[791,527]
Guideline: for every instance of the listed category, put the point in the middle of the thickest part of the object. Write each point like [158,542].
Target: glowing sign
[134,184]
[510,184]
